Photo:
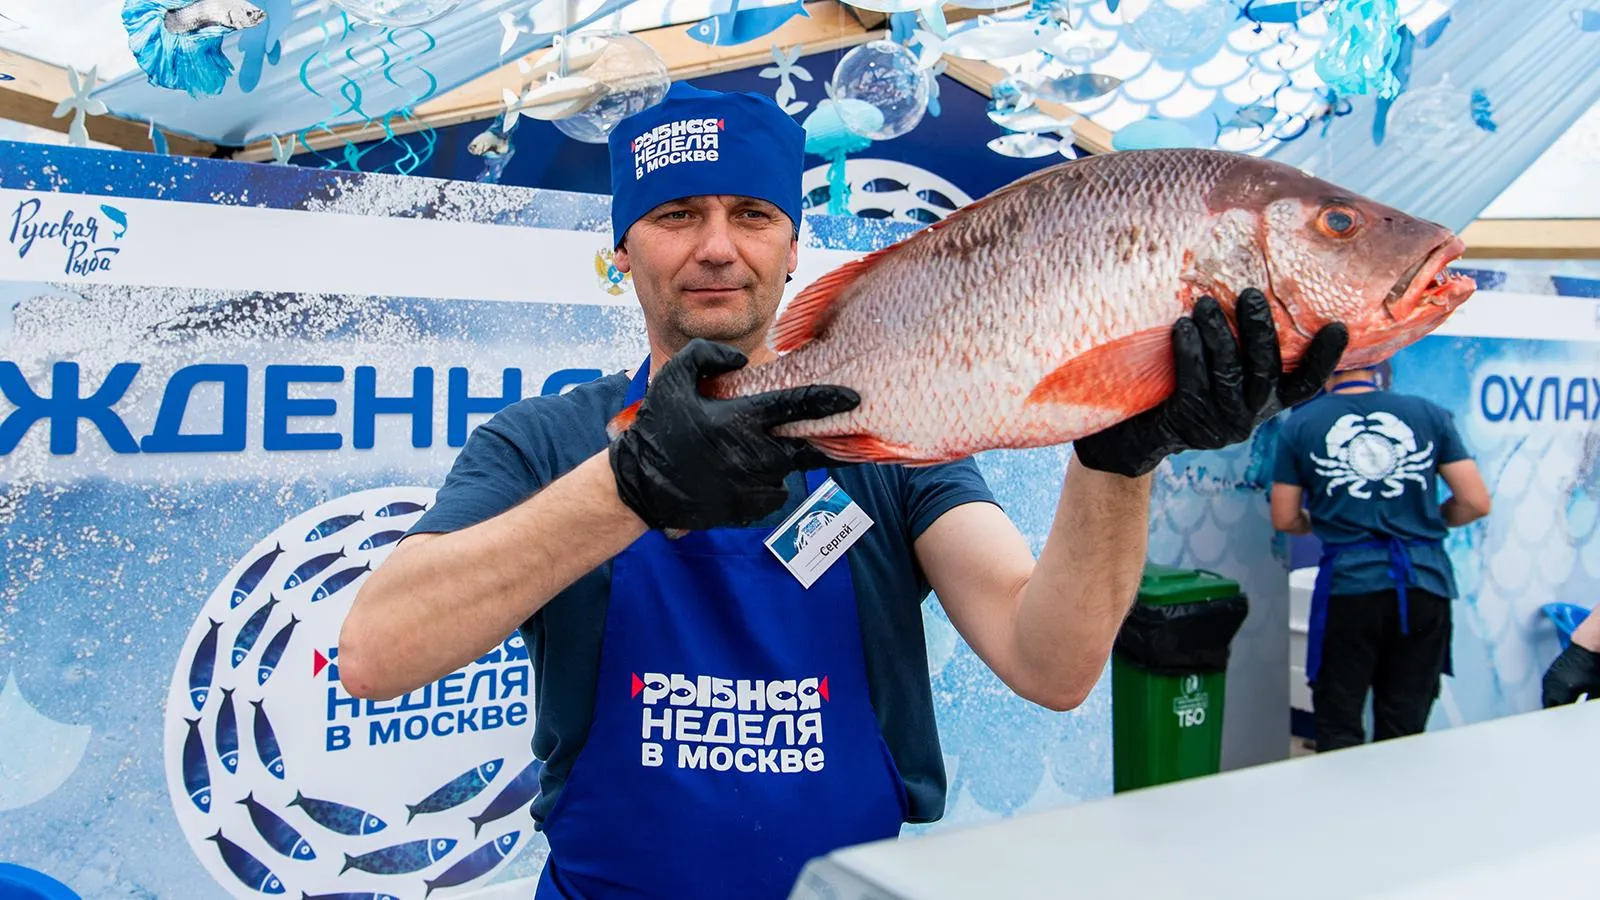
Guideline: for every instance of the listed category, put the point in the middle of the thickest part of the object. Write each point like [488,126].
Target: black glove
[1220,398]
[1575,671]
[691,462]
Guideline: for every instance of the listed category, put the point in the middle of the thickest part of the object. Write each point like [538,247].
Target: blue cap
[697,143]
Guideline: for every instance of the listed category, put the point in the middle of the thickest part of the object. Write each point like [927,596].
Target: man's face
[710,267]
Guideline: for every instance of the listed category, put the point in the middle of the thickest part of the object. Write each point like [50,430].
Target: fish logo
[274,651]
[514,796]
[203,666]
[381,539]
[267,750]
[457,791]
[331,527]
[339,581]
[310,569]
[118,218]
[402,508]
[196,774]
[612,280]
[227,733]
[279,834]
[249,870]
[399,859]
[246,639]
[475,863]
[337,817]
[252,576]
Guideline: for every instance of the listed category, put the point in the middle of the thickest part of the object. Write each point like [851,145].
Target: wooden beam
[38,86]
[982,77]
[1533,239]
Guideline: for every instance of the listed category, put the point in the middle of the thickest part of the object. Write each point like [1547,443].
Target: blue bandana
[696,143]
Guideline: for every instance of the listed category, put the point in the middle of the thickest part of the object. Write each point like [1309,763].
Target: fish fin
[411,813]
[477,824]
[622,421]
[1136,370]
[866,448]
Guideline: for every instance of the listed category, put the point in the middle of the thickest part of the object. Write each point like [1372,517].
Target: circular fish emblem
[285,784]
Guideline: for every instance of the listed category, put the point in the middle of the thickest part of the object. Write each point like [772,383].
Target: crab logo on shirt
[1373,449]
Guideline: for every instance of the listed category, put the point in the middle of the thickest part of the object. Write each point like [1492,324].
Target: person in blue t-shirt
[709,720]
[1359,467]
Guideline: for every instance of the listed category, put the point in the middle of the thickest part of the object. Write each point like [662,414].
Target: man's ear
[619,258]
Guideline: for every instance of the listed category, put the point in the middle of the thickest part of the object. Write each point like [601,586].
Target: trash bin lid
[1162,585]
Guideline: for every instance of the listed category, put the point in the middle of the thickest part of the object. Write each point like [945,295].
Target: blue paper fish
[397,859]
[514,796]
[310,569]
[227,733]
[261,45]
[249,870]
[267,742]
[178,43]
[339,581]
[337,817]
[381,539]
[245,640]
[400,508]
[196,774]
[740,25]
[884,186]
[279,835]
[118,218]
[330,527]
[252,576]
[274,651]
[1279,13]
[457,790]
[202,667]
[475,863]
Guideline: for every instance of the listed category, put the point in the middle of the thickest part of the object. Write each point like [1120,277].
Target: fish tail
[297,800]
[622,421]
[477,824]
[349,863]
[411,812]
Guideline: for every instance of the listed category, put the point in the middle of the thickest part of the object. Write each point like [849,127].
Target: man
[708,723]
[1576,672]
[1366,463]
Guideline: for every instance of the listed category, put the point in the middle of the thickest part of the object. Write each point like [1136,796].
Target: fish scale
[1043,312]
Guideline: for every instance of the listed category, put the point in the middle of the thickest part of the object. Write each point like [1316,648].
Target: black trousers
[1363,649]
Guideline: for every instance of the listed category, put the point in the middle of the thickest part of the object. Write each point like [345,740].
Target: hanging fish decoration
[738,26]
[1025,146]
[1075,88]
[178,43]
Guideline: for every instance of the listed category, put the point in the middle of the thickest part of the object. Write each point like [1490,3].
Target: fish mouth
[1427,282]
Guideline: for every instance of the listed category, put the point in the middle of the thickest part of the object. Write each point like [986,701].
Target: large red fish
[1043,312]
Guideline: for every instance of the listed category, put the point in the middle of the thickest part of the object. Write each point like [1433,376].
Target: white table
[1508,808]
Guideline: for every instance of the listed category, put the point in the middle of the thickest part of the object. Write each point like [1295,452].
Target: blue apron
[733,738]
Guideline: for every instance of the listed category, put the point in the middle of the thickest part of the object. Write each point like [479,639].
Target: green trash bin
[1169,676]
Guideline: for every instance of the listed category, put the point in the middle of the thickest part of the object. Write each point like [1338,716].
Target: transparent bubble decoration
[635,77]
[1177,28]
[1433,122]
[885,75]
[397,13]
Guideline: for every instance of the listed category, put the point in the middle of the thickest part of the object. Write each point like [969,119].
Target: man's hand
[691,462]
[1576,671]
[1223,387]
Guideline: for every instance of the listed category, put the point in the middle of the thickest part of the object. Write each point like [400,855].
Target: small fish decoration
[196,774]
[1025,146]
[227,733]
[337,817]
[274,651]
[398,859]
[1030,120]
[267,750]
[400,508]
[456,791]
[935,198]
[818,196]
[381,539]
[1075,88]
[1255,115]
[475,863]
[251,577]
[517,794]
[1482,111]
[227,14]
[987,39]
[249,870]
[310,569]
[331,527]
[279,835]
[925,216]
[118,218]
[1278,13]
[738,26]
[339,581]
[873,212]
[884,186]
[245,640]
[203,666]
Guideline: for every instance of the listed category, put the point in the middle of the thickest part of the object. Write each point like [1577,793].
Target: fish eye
[1338,221]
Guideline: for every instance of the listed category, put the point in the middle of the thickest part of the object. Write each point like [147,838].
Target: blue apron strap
[636,387]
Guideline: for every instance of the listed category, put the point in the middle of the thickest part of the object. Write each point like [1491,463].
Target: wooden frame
[1532,239]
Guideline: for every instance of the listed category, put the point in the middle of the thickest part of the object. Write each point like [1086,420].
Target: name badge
[818,533]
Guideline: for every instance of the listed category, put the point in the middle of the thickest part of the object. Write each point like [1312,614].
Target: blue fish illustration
[196,774]
[279,835]
[740,25]
[1279,13]
[202,667]
[266,742]
[935,198]
[397,859]
[400,508]
[884,186]
[381,539]
[252,576]
[274,651]
[337,817]
[457,790]
[178,44]
[1077,88]
[817,197]
[245,867]
[872,212]
[348,895]
[119,218]
[5,77]
[245,641]
[310,569]
[475,863]
[330,527]
[512,797]
[339,581]
[227,733]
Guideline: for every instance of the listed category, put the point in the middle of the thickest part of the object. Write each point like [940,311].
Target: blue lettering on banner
[290,403]
[79,237]
[1539,398]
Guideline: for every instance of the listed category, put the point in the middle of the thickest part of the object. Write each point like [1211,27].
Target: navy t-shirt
[1368,463]
[532,442]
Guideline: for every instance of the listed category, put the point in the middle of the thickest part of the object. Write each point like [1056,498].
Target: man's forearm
[1083,583]
[434,607]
